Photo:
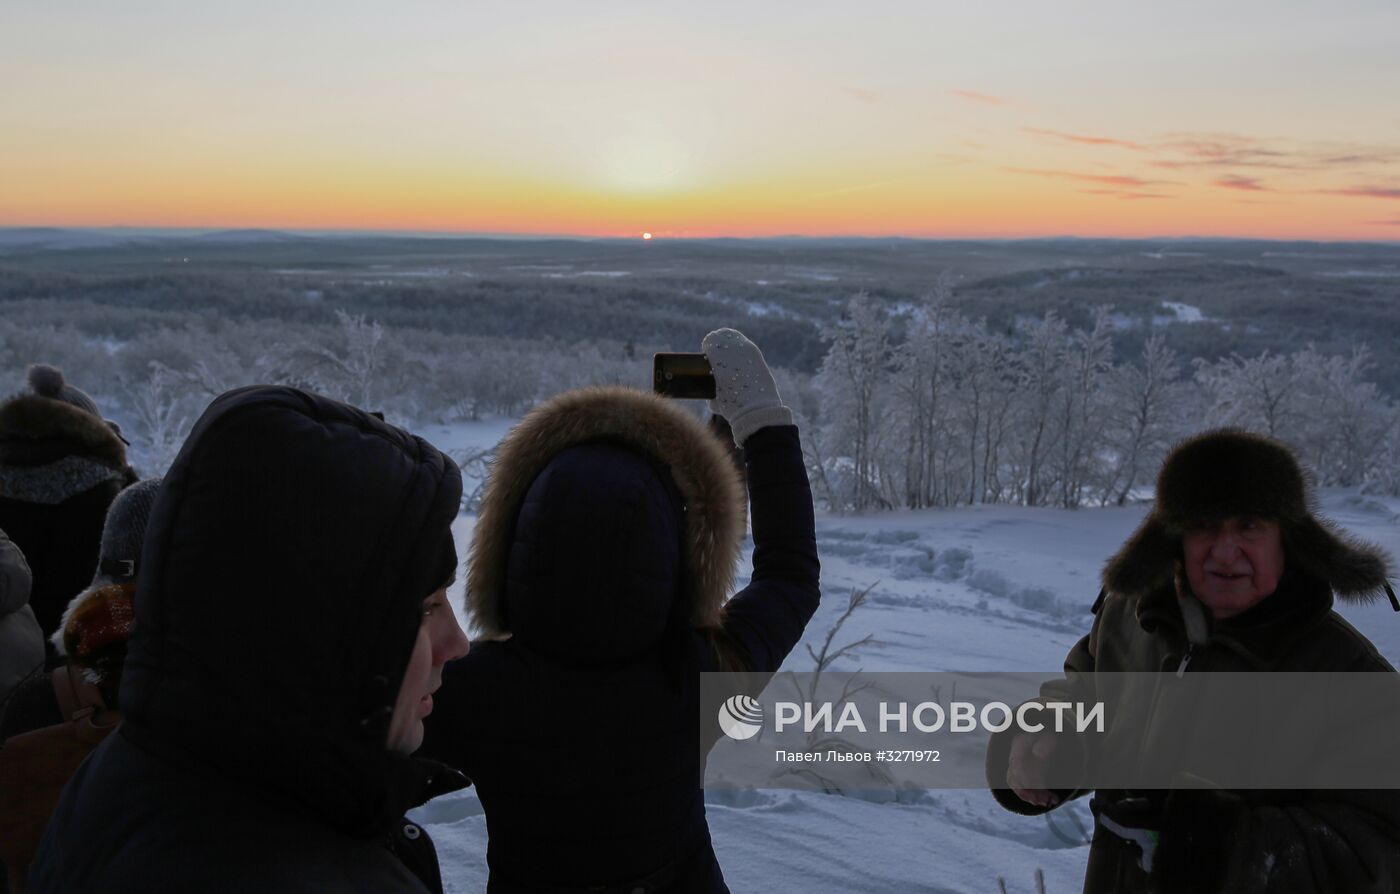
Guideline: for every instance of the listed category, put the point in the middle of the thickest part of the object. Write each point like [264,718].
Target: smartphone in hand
[683,376]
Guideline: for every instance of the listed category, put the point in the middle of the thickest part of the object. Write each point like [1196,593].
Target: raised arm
[766,618]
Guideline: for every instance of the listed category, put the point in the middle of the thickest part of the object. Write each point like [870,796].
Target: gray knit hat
[125,531]
[47,381]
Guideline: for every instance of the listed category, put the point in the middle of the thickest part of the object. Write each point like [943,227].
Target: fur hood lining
[32,418]
[700,466]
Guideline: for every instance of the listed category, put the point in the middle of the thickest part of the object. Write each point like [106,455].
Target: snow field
[985,588]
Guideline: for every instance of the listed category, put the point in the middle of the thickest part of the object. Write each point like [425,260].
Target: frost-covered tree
[1254,393]
[921,386]
[984,378]
[1045,343]
[1343,421]
[1085,361]
[162,410]
[345,362]
[1142,419]
[852,376]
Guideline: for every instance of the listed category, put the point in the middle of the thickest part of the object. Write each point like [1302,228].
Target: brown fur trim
[1225,473]
[703,473]
[98,617]
[29,417]
[1145,563]
[1357,570]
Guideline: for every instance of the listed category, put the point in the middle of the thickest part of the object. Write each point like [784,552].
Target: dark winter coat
[60,468]
[21,642]
[284,568]
[30,706]
[1211,840]
[605,549]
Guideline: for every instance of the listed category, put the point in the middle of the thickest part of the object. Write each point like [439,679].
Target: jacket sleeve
[766,618]
[1077,684]
[15,578]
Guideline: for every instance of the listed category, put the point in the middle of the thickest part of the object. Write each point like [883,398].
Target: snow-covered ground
[977,589]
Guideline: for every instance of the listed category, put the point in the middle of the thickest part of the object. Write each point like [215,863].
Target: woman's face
[440,640]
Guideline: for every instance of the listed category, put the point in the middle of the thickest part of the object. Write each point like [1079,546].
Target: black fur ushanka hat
[1228,472]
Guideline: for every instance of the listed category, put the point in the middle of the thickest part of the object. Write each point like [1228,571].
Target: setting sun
[921,120]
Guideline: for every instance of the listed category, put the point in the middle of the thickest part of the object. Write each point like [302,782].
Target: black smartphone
[683,376]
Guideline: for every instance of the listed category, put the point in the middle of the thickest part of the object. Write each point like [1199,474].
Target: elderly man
[1230,572]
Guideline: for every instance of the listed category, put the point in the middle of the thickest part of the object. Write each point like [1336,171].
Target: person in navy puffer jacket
[605,547]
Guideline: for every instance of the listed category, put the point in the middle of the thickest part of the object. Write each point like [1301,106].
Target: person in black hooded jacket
[605,547]
[290,630]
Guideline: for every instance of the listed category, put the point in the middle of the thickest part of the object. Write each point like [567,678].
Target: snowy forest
[935,409]
[952,378]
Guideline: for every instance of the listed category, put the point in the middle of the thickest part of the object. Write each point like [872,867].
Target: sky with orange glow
[1275,119]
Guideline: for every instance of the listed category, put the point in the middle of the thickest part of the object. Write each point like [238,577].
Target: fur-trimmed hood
[97,619]
[35,430]
[1227,472]
[668,437]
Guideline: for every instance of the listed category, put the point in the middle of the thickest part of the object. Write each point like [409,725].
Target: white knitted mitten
[745,392]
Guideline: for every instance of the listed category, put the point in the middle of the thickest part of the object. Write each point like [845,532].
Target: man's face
[1233,564]
[440,640]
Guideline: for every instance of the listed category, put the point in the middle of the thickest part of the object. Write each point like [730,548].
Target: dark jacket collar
[1262,634]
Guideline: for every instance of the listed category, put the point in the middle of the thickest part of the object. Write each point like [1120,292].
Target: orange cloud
[1125,194]
[1084,140]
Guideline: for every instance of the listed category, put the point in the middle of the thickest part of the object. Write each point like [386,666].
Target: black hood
[285,562]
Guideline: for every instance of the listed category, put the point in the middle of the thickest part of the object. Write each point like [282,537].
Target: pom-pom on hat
[47,381]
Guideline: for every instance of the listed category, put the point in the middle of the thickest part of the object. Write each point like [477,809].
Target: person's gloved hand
[1136,820]
[745,392]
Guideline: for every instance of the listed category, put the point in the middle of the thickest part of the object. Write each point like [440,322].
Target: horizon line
[318,232]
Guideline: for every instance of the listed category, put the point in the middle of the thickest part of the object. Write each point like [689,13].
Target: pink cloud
[983,98]
[1221,150]
[1084,140]
[1216,150]
[1121,180]
[863,94]
[1356,159]
[1385,223]
[1366,192]
[1234,181]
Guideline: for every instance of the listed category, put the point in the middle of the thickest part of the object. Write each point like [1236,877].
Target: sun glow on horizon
[912,120]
